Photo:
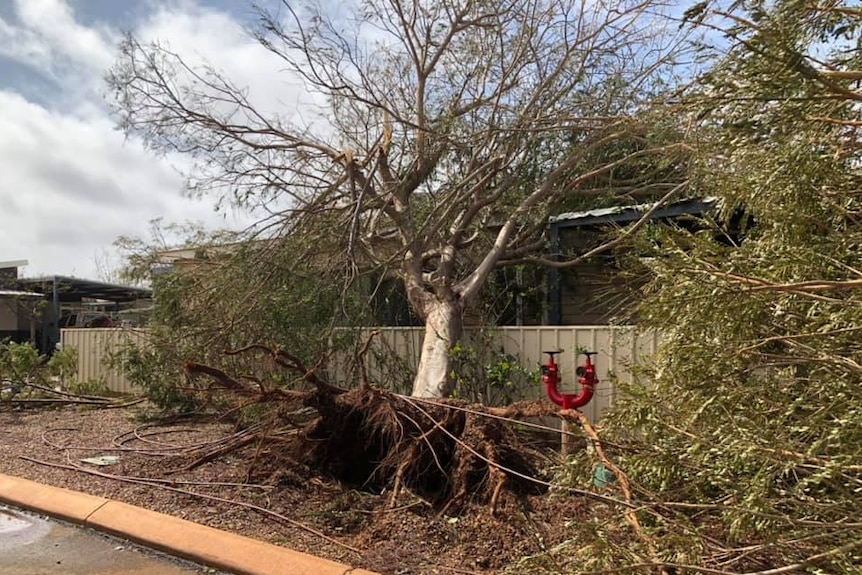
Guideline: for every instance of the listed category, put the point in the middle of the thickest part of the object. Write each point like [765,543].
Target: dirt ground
[291,507]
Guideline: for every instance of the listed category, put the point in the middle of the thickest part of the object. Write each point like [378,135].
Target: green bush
[24,372]
[19,366]
[253,293]
[483,374]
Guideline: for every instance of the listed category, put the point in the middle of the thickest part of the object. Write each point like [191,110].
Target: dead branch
[291,362]
[67,398]
[260,395]
[46,389]
[363,367]
[194,369]
[53,401]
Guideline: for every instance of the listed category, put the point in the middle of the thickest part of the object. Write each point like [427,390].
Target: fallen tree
[446,451]
[447,137]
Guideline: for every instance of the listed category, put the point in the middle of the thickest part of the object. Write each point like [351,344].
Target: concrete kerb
[68,505]
[175,536]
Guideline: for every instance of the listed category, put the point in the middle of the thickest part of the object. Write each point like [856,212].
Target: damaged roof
[624,214]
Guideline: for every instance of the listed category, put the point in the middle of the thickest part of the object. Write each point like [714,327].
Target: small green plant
[19,364]
[97,387]
[63,365]
[489,376]
[157,373]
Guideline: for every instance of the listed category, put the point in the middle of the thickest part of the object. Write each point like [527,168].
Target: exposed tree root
[445,451]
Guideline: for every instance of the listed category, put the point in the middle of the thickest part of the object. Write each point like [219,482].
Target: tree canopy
[450,131]
[743,449]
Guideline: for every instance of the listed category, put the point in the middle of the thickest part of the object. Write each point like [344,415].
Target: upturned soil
[278,501]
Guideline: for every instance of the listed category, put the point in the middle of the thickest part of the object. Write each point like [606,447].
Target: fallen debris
[102,460]
[445,451]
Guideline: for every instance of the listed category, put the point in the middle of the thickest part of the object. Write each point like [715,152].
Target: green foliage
[95,387]
[18,360]
[229,297]
[19,364]
[156,369]
[64,363]
[745,449]
[483,374]
[25,373]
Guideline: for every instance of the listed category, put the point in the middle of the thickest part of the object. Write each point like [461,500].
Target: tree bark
[443,328]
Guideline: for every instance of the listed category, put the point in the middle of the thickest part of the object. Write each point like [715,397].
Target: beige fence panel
[618,350]
[391,360]
[394,355]
[94,345]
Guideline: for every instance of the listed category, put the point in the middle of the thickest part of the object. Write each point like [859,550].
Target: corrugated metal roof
[568,216]
[76,288]
[630,213]
[16,293]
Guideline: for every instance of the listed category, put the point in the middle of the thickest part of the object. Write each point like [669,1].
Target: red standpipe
[588,381]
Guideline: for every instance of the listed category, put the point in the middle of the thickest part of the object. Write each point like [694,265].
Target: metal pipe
[551,379]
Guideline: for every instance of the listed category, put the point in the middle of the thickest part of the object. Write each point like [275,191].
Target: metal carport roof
[73,289]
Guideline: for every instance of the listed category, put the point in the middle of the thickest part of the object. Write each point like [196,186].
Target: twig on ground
[52,401]
[151,483]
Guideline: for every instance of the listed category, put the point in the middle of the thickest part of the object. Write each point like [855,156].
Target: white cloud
[50,42]
[24,47]
[53,22]
[204,36]
[69,182]
[71,186]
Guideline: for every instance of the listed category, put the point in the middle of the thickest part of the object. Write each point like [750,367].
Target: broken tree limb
[53,401]
[290,361]
[194,369]
[623,480]
[363,367]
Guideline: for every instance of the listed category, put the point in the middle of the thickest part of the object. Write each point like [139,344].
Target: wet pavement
[32,545]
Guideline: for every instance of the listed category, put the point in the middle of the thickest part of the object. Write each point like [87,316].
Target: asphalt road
[30,545]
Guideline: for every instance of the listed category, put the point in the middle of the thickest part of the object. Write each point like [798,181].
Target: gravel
[323,517]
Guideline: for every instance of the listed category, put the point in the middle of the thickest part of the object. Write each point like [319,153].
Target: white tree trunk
[442,330]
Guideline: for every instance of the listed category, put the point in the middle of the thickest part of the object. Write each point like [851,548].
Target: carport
[65,289]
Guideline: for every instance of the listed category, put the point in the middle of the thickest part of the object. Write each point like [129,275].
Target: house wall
[592,292]
[8,314]
[15,316]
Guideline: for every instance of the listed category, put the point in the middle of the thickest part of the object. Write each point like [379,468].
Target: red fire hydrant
[587,379]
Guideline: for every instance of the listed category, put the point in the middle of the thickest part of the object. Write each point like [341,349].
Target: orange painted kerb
[178,537]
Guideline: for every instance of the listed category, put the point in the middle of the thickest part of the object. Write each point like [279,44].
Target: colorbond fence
[394,354]
[619,350]
[94,345]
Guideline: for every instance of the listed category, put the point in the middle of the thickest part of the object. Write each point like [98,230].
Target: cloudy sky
[70,183]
